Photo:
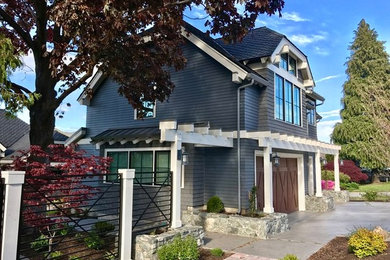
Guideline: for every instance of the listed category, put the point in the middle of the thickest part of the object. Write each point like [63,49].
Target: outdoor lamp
[184,158]
[323,161]
[341,162]
[276,159]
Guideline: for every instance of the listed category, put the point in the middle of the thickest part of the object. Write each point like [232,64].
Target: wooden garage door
[285,185]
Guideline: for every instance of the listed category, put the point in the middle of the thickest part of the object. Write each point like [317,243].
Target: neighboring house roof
[314,95]
[258,43]
[11,129]
[127,133]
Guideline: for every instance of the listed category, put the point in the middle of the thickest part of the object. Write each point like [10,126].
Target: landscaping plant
[252,201]
[349,186]
[40,244]
[289,257]
[370,195]
[102,228]
[349,168]
[329,175]
[365,243]
[179,248]
[216,252]
[215,205]
[94,241]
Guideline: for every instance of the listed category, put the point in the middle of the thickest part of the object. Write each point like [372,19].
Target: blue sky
[321,29]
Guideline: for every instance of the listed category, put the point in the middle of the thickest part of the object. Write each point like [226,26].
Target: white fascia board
[287,76]
[93,84]
[76,136]
[230,65]
[2,148]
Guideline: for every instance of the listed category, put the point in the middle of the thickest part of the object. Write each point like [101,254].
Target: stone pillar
[311,176]
[126,228]
[318,174]
[268,185]
[336,172]
[176,182]
[13,181]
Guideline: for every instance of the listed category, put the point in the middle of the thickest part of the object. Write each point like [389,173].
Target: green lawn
[381,186]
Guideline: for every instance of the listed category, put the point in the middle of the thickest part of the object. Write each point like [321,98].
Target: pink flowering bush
[327,185]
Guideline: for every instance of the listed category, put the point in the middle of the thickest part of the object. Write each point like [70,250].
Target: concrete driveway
[309,231]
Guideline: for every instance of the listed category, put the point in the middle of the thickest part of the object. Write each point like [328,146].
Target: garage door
[285,185]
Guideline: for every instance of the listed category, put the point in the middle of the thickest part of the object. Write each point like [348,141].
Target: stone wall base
[146,246]
[338,196]
[238,225]
[319,204]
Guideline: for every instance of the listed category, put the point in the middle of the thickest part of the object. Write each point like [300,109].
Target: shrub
[40,244]
[252,201]
[102,228]
[327,185]
[215,205]
[216,252]
[179,249]
[365,243]
[349,186]
[94,241]
[54,255]
[350,169]
[72,257]
[370,195]
[329,175]
[110,255]
[289,257]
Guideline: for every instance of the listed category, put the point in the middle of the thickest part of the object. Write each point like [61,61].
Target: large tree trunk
[42,123]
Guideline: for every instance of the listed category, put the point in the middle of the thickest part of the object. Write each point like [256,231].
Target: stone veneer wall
[319,204]
[238,225]
[338,196]
[146,246]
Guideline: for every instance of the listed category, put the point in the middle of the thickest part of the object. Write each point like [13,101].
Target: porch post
[13,181]
[318,174]
[127,177]
[176,182]
[268,186]
[311,176]
[336,172]
[301,184]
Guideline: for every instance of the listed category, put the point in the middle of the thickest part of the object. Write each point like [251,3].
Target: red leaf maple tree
[69,38]
[55,178]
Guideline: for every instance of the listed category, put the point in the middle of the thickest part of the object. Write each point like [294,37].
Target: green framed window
[162,167]
[119,161]
[142,162]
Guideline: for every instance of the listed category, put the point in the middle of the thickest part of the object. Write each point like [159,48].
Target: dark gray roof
[127,133]
[57,136]
[11,129]
[260,42]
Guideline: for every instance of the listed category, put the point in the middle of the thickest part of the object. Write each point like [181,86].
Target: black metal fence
[69,217]
[2,190]
[152,202]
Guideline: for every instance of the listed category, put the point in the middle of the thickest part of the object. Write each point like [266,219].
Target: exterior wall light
[323,161]
[185,158]
[276,159]
[341,162]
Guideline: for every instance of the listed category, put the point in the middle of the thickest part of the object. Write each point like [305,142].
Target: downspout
[239,142]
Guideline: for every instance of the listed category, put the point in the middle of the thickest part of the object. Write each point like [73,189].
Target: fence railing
[69,216]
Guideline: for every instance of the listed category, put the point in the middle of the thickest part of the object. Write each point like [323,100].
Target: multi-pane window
[288,63]
[287,101]
[151,167]
[311,111]
[148,110]
[279,82]
[297,105]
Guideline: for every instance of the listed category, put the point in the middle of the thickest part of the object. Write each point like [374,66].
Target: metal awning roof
[127,134]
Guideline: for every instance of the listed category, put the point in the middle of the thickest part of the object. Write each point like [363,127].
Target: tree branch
[167,5]
[18,88]
[74,86]
[22,33]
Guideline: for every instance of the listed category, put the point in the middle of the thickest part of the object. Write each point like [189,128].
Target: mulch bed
[206,255]
[337,249]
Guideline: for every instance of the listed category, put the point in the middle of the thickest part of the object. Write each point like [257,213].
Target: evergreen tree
[364,132]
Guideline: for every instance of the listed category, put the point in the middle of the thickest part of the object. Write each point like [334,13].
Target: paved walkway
[309,231]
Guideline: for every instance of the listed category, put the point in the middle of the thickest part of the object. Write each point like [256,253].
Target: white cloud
[321,51]
[325,129]
[293,16]
[261,22]
[331,113]
[328,78]
[304,40]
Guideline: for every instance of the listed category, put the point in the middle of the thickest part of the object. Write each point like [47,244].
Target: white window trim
[301,105]
[129,150]
[146,118]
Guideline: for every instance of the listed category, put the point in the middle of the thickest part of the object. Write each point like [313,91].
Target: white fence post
[13,181]
[127,176]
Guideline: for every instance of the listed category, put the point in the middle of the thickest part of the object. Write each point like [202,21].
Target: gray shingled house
[242,114]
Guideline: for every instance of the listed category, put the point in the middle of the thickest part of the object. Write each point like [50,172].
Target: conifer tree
[364,132]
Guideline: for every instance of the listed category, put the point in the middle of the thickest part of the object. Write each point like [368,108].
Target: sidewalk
[242,256]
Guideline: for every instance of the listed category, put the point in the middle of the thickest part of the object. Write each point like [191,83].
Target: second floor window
[287,101]
[148,110]
[288,63]
[311,111]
